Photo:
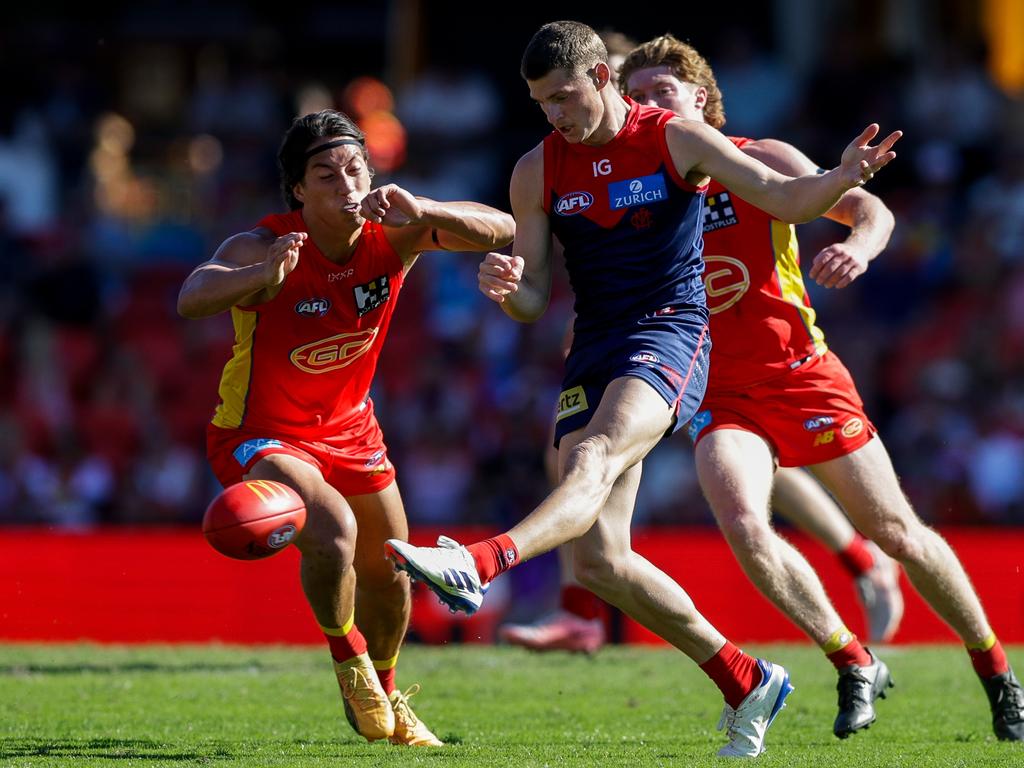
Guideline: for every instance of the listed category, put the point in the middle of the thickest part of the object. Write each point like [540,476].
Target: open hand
[499,275]
[283,257]
[862,161]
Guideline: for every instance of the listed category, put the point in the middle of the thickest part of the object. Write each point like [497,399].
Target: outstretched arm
[430,225]
[701,151]
[870,221]
[521,283]
[248,268]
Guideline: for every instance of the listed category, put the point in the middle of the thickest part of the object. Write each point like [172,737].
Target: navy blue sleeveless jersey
[630,226]
[631,229]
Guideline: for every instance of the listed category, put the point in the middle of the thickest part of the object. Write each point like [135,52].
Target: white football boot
[448,569]
[746,725]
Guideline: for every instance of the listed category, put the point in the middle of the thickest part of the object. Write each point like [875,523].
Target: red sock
[345,646]
[990,662]
[856,557]
[493,556]
[581,602]
[387,678]
[735,673]
[850,652]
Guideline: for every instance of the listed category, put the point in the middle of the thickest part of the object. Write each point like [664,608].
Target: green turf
[226,706]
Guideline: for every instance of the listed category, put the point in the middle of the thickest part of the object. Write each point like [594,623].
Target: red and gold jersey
[762,322]
[303,362]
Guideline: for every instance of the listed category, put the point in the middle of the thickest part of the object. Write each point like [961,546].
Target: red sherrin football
[254,519]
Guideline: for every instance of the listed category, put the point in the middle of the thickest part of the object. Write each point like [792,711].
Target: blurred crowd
[108,197]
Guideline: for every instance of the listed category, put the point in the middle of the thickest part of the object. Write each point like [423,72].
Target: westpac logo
[313,307]
[334,352]
[573,202]
[638,191]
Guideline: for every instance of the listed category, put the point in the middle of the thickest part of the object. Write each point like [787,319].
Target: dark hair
[567,45]
[685,63]
[291,157]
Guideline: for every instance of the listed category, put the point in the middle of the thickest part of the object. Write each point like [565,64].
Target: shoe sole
[453,602]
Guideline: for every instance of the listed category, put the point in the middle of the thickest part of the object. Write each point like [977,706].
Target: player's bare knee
[591,461]
[382,579]
[748,533]
[597,571]
[901,543]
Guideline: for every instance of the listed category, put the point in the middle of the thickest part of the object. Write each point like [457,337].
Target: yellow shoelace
[351,688]
[402,709]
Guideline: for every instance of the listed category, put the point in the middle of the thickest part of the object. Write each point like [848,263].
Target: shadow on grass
[110,749]
[36,668]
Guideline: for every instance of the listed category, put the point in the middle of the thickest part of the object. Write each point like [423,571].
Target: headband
[331,145]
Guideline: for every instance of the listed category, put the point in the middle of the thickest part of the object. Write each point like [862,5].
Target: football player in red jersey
[621,187]
[777,396]
[311,294]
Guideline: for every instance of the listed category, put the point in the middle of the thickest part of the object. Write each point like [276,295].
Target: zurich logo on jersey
[639,191]
[573,202]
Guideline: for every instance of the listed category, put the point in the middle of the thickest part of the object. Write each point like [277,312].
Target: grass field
[228,706]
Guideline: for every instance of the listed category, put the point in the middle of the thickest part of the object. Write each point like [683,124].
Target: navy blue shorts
[668,349]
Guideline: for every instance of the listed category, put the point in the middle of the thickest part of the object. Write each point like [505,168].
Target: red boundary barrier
[167,585]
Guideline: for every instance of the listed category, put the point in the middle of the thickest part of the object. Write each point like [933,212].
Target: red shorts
[354,464]
[809,415]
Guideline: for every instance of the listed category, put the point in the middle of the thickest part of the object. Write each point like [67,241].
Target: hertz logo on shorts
[334,352]
[571,401]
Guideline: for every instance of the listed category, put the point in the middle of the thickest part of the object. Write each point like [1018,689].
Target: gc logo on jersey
[333,352]
[718,212]
[644,189]
[313,307]
[371,295]
[572,203]
[726,281]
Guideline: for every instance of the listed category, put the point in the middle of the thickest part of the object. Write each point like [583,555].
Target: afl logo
[644,357]
[726,281]
[313,307]
[574,202]
[280,537]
